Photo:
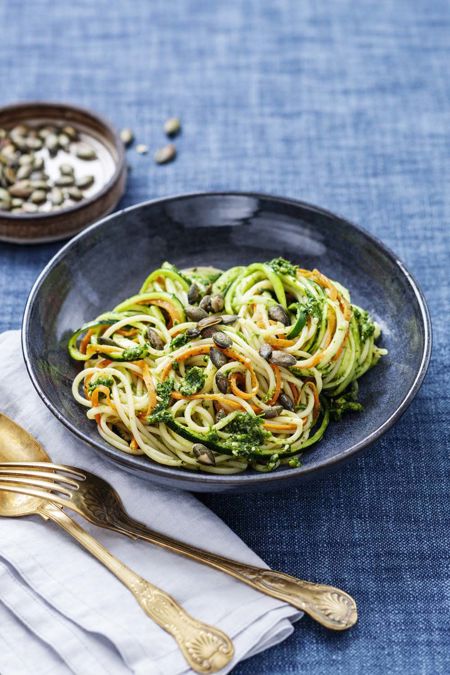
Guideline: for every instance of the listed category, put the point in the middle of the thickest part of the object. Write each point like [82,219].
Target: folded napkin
[62,611]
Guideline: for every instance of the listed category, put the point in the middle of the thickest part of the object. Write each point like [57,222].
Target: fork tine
[46,465]
[48,485]
[37,473]
[31,492]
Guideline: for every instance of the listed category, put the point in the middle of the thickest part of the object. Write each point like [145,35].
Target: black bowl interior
[108,262]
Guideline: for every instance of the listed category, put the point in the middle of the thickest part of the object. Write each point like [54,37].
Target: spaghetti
[220,371]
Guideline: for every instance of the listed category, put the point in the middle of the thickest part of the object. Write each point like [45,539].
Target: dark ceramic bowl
[109,260]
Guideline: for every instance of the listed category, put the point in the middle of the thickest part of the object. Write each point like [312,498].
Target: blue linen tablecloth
[341,104]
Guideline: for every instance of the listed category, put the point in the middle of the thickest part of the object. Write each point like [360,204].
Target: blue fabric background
[343,104]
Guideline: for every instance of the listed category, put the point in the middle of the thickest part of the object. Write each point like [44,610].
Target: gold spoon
[204,647]
[97,501]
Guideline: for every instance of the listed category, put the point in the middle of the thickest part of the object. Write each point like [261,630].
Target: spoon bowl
[17,445]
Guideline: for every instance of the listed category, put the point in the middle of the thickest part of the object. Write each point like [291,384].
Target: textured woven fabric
[342,104]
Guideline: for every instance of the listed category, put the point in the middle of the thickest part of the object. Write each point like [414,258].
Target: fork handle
[205,648]
[327,605]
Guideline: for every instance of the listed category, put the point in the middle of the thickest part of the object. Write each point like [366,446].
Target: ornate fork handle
[328,605]
[204,647]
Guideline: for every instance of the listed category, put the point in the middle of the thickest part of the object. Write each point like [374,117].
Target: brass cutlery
[205,648]
[25,468]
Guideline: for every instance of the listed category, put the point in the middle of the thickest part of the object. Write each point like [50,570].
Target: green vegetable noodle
[252,362]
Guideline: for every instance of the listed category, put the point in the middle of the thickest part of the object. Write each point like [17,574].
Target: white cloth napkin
[62,611]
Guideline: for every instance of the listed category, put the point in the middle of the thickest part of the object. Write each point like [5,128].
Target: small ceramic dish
[108,168]
[108,261]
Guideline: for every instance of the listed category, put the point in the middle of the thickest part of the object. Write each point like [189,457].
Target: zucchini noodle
[219,371]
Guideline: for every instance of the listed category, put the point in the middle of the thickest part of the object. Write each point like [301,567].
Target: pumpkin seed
[265,351]
[4,195]
[193,332]
[217,357]
[222,383]
[5,206]
[40,185]
[24,171]
[52,144]
[64,141]
[278,313]
[205,303]
[66,170]
[286,402]
[127,137]
[209,331]
[228,319]
[273,411]
[22,189]
[165,154]
[9,175]
[84,151]
[34,143]
[153,337]
[283,359]
[16,202]
[24,160]
[45,131]
[222,340]
[74,193]
[29,207]
[172,127]
[38,163]
[39,175]
[70,132]
[19,130]
[142,149]
[193,293]
[9,151]
[208,321]
[216,303]
[195,313]
[56,196]
[64,181]
[203,454]
[38,197]
[84,182]
[19,141]
[220,414]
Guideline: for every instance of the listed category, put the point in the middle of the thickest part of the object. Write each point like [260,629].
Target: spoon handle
[205,648]
[327,605]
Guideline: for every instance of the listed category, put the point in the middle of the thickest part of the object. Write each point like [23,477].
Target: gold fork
[96,500]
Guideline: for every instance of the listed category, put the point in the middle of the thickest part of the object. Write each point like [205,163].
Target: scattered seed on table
[127,137]
[165,154]
[172,127]
[142,149]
